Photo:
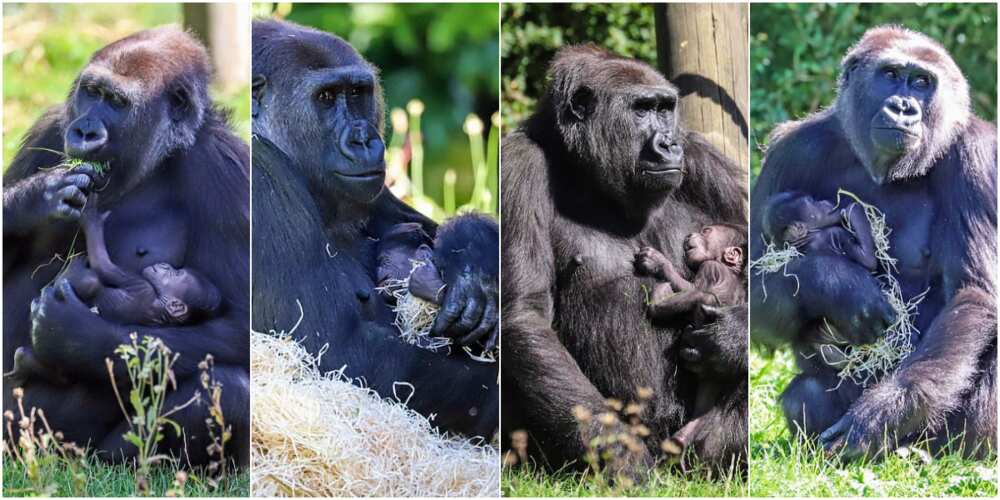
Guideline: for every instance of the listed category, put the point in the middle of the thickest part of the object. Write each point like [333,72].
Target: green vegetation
[781,465]
[527,482]
[101,480]
[46,46]
[532,33]
[793,72]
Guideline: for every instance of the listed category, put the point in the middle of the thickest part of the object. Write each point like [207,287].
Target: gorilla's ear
[849,66]
[581,103]
[180,103]
[257,93]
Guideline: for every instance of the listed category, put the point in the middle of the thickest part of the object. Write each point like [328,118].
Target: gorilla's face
[660,161]
[902,93]
[325,116]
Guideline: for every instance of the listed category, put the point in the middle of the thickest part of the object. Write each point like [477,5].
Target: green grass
[116,481]
[528,482]
[783,466]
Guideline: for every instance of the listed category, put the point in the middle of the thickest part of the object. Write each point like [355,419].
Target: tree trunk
[225,29]
[703,49]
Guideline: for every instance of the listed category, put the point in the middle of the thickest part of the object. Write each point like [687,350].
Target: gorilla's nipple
[363,295]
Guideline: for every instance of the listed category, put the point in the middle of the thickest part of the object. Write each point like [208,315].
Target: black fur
[578,203]
[316,241]
[939,198]
[174,163]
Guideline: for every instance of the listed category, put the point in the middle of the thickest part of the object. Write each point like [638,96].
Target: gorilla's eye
[922,82]
[706,230]
[326,97]
[357,91]
[667,104]
[93,90]
[891,73]
[117,101]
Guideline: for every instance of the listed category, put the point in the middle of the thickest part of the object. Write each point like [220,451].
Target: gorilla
[177,189]
[601,170]
[900,136]
[318,174]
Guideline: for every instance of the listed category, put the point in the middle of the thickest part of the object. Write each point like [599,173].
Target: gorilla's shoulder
[808,141]
[524,172]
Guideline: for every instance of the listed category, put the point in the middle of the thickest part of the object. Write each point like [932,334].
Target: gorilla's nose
[85,136]
[361,143]
[905,111]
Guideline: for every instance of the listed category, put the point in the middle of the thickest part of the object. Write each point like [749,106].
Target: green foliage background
[446,55]
[795,52]
[46,45]
[533,32]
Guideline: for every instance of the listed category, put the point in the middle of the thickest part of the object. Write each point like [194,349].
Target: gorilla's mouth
[371,174]
[899,130]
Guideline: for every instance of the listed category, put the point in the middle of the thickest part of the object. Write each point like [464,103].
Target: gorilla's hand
[62,328]
[844,297]
[719,346]
[470,309]
[855,435]
[65,191]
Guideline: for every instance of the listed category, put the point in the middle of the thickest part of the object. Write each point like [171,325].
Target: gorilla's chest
[137,239]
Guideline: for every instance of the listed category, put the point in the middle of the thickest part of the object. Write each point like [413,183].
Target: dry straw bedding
[320,435]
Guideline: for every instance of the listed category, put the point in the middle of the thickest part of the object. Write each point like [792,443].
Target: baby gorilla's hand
[650,262]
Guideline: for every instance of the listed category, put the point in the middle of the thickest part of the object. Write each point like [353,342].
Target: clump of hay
[317,434]
[415,319]
[775,259]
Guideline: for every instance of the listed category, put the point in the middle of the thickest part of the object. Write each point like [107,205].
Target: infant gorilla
[818,226]
[404,252]
[717,256]
[160,295]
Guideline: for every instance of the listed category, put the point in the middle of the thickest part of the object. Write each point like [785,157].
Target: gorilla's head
[617,118]
[139,100]
[320,102]
[902,102]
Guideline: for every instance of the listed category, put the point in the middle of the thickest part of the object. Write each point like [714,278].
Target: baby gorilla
[161,295]
[404,252]
[818,226]
[717,256]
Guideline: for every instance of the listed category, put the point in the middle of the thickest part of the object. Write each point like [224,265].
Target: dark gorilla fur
[580,199]
[934,177]
[318,111]
[178,192]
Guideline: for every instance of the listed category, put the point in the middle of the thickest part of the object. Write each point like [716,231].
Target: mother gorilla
[902,137]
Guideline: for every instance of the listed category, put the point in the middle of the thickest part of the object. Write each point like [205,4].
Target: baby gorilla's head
[788,216]
[185,293]
[725,243]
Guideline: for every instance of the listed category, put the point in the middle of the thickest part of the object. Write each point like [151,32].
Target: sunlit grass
[783,466]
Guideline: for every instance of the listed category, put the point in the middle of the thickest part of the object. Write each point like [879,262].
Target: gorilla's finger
[835,430]
[67,212]
[72,196]
[494,337]
[454,301]
[471,316]
[68,292]
[487,323]
[81,181]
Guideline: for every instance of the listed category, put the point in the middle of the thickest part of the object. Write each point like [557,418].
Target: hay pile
[315,435]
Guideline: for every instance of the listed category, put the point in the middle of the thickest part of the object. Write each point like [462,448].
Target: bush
[793,72]
[533,32]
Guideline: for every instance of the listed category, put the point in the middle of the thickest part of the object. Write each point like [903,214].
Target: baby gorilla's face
[801,213]
[713,243]
[170,281]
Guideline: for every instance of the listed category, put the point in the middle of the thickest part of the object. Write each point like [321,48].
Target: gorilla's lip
[659,170]
[899,129]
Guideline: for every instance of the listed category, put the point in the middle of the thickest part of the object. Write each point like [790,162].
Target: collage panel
[376,250]
[624,249]
[873,238]
[126,226]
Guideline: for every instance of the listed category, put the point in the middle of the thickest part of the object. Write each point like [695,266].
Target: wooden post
[703,49]
[225,29]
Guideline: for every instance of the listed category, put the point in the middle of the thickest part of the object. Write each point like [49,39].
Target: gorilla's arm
[33,196]
[811,287]
[64,328]
[534,358]
[916,396]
